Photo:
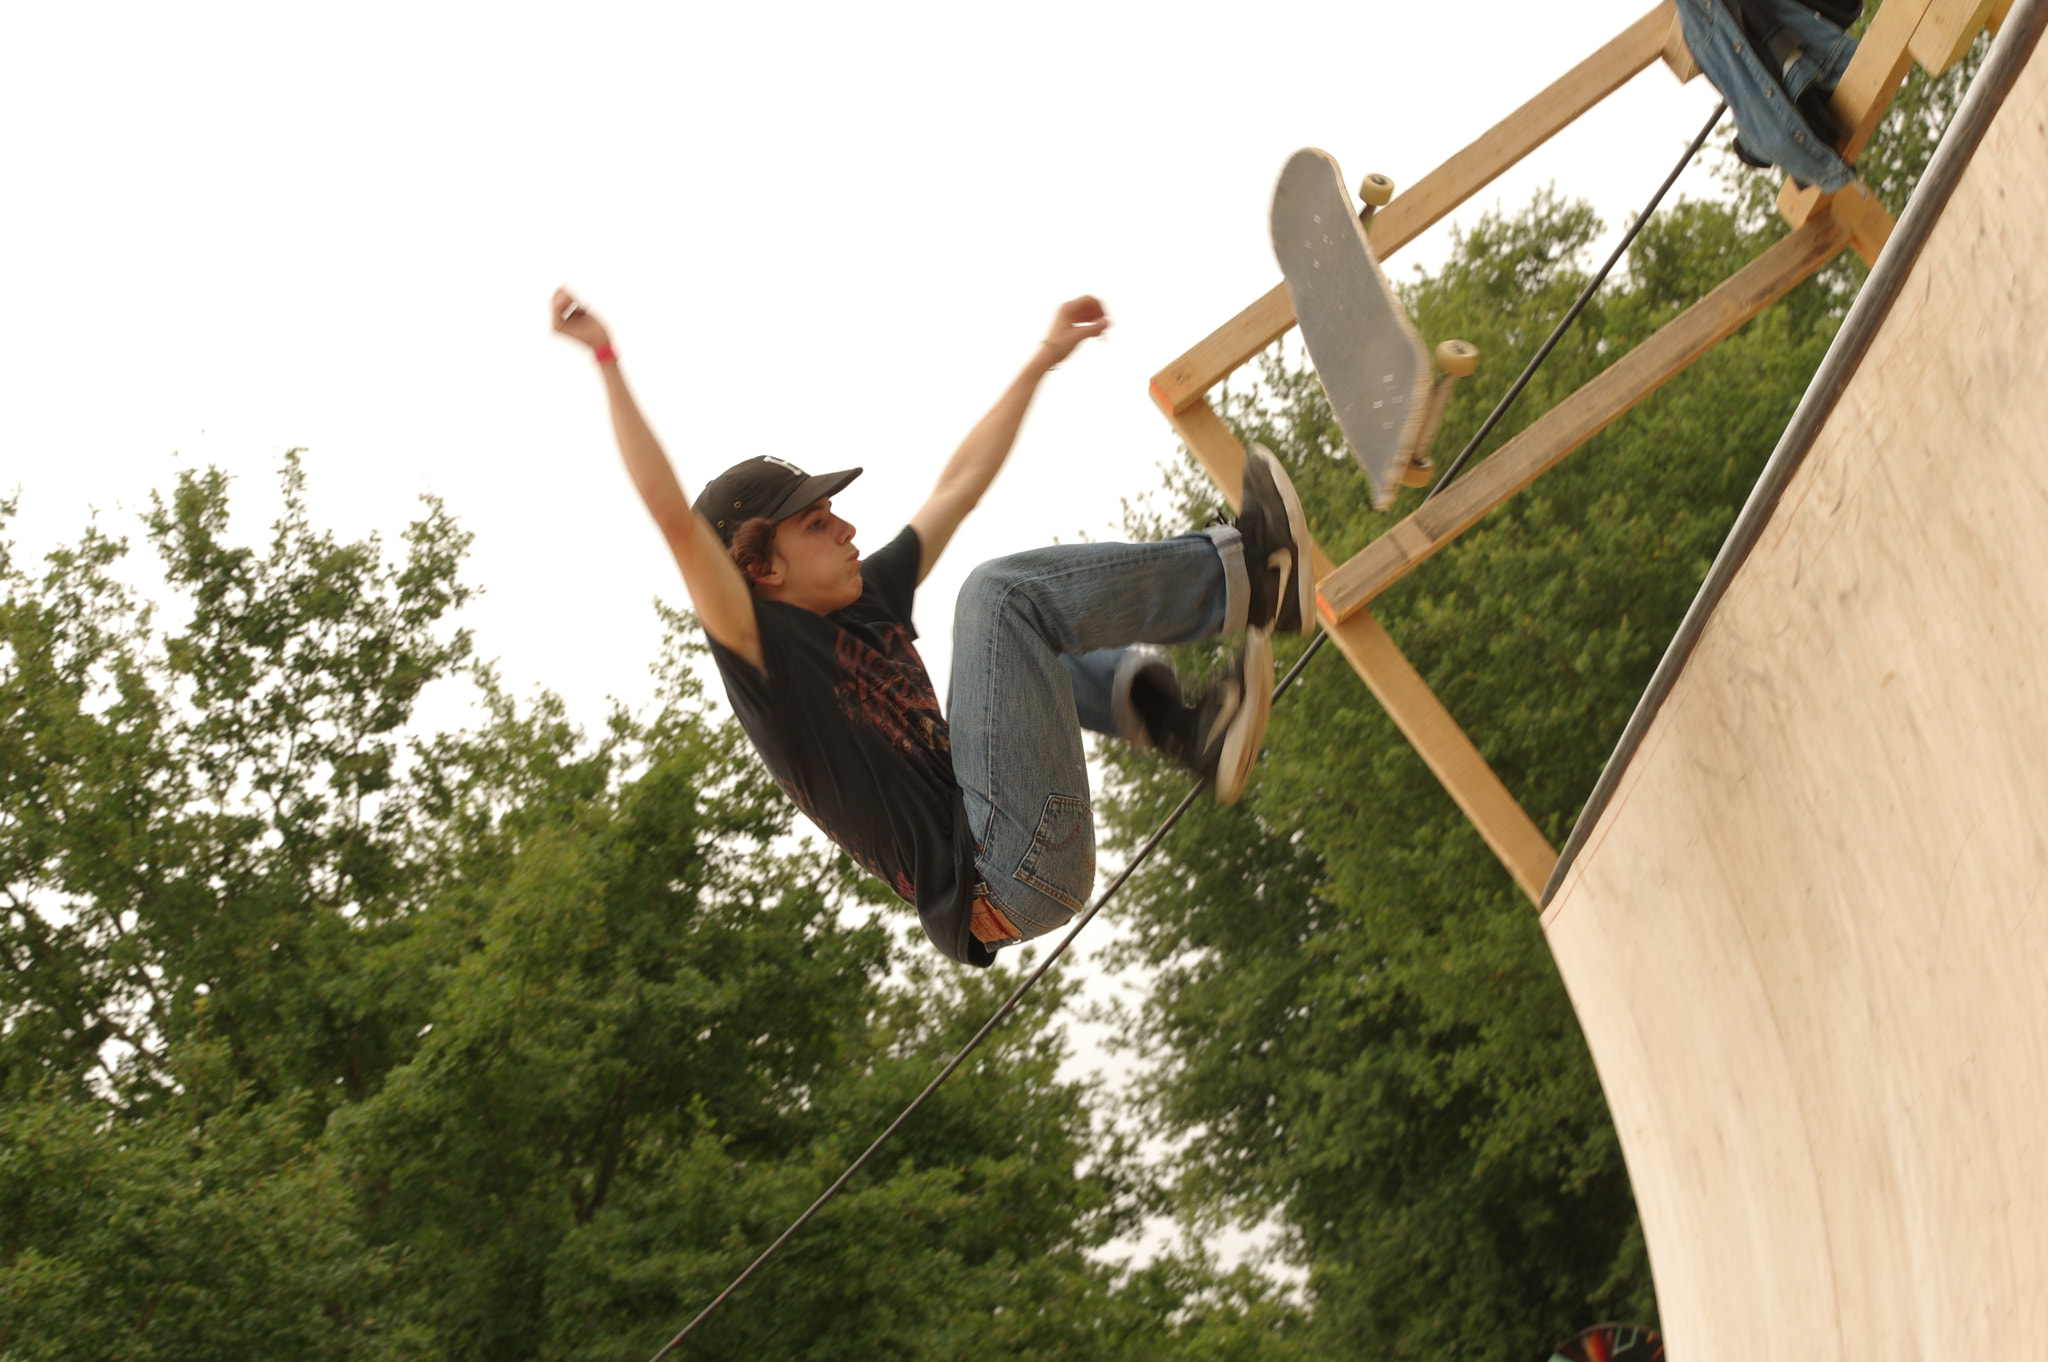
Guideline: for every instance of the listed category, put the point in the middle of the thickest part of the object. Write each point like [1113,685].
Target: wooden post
[1881,62]
[1677,55]
[1868,224]
[1947,32]
[1446,750]
[1415,210]
[1581,416]
[1856,208]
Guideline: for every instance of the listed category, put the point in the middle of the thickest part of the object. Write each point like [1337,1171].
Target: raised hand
[1077,320]
[576,321]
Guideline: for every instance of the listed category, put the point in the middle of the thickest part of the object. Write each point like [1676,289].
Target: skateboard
[1367,353]
[1612,1343]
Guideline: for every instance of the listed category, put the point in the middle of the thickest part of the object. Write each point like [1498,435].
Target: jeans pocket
[1061,861]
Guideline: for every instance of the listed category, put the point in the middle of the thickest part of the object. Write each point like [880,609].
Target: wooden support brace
[1677,55]
[1184,382]
[1581,416]
[1880,64]
[1446,750]
[1391,678]
[1856,208]
[1947,31]
[1222,458]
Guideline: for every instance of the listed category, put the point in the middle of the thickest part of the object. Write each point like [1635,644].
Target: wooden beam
[1222,458]
[1393,680]
[1425,203]
[1868,224]
[1880,64]
[1444,748]
[1437,194]
[1218,354]
[1855,207]
[1677,55]
[1947,31]
[1581,416]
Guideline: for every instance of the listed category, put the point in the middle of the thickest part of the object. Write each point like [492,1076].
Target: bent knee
[998,585]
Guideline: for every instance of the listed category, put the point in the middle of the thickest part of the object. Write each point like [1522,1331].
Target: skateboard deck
[1366,352]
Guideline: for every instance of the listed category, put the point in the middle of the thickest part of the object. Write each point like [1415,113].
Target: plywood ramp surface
[1807,935]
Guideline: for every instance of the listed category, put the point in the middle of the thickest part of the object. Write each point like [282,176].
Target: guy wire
[1585,296]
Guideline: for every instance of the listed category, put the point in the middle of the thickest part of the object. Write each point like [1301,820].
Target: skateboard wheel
[1457,358]
[1376,190]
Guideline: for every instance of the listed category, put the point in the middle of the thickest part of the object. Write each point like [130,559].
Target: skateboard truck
[1455,359]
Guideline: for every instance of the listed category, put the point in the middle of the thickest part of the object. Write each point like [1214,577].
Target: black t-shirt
[844,714]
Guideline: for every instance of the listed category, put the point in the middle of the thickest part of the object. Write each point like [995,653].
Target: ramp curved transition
[1805,922]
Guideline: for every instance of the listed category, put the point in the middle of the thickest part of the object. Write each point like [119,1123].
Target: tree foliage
[324,1038]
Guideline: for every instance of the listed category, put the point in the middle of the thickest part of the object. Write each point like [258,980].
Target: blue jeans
[1760,97]
[1041,649]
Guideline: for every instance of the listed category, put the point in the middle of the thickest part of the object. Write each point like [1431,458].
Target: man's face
[814,565]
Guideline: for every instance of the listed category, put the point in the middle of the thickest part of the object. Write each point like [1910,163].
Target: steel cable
[1572,314]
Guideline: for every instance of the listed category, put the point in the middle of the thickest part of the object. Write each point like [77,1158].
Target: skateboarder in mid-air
[981,819]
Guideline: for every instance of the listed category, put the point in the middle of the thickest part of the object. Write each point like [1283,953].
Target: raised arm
[979,458]
[719,592]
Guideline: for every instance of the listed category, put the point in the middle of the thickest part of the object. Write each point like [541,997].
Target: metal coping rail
[2016,42]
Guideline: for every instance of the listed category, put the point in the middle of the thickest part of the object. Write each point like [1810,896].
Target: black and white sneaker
[1276,548]
[1220,734]
[1251,676]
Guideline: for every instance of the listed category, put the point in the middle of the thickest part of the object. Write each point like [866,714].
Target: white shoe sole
[1248,726]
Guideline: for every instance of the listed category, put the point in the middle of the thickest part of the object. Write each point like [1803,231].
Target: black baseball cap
[764,487]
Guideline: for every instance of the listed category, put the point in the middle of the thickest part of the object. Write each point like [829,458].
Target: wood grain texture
[1583,415]
[1947,30]
[1409,702]
[1856,207]
[1426,202]
[1445,749]
[1677,56]
[1868,224]
[1807,938]
[1880,64]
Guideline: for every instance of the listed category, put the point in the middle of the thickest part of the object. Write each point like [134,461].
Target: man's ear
[769,577]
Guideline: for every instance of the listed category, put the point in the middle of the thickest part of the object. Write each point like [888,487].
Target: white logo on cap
[785,463]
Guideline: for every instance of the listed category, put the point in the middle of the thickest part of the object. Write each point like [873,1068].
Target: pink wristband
[604,354]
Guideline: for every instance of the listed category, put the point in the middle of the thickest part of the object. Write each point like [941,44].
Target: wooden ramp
[1805,919]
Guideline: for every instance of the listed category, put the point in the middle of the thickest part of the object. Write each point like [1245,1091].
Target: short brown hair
[753,546]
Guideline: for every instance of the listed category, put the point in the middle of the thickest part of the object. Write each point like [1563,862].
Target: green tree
[320,1037]
[200,836]
[162,1240]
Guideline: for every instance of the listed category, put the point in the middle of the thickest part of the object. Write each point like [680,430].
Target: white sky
[829,233]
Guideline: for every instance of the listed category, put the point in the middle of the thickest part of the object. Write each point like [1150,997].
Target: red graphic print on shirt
[889,691]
